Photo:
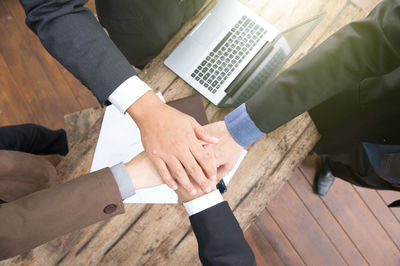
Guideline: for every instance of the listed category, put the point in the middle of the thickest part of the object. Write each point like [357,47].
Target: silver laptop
[233,52]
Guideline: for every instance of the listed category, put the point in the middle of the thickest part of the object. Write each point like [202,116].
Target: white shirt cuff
[204,202]
[128,92]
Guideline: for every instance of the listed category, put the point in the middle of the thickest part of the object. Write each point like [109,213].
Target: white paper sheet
[119,141]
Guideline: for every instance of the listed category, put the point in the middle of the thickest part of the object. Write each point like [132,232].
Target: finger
[195,171]
[223,171]
[203,143]
[179,174]
[164,173]
[206,159]
[203,135]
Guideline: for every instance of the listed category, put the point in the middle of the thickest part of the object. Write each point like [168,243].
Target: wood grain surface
[297,227]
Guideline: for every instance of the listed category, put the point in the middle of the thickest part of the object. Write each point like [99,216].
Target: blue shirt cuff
[242,127]
[123,180]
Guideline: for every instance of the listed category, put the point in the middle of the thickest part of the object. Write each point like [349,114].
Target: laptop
[232,53]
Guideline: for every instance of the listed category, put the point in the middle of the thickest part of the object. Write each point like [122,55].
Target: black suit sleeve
[31,138]
[71,33]
[220,238]
[367,48]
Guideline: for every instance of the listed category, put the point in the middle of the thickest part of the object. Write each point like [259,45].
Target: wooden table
[161,234]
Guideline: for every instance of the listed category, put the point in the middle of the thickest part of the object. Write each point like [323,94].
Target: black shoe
[324,179]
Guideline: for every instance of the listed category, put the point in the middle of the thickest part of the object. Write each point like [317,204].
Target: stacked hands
[179,152]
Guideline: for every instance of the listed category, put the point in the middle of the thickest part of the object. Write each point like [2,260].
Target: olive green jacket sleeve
[367,48]
[49,213]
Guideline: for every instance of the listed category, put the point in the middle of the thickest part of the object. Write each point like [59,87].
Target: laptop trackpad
[208,30]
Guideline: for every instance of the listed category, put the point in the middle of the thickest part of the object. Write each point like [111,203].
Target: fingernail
[207,190]
[174,187]
[193,192]
[215,139]
[213,177]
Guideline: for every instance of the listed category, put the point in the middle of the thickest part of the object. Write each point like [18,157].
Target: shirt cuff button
[110,208]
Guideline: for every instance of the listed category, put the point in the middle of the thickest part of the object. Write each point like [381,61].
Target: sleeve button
[110,208]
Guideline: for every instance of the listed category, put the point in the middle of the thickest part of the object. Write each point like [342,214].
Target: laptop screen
[296,35]
[267,63]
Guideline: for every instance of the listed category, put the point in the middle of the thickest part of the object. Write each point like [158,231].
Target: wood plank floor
[35,88]
[350,225]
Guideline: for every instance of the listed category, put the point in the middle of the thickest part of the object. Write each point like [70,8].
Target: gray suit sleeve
[367,48]
[71,34]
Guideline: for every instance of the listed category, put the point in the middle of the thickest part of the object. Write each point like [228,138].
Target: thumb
[222,171]
[203,135]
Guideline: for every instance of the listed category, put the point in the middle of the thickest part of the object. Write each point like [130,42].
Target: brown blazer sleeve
[46,214]
[362,49]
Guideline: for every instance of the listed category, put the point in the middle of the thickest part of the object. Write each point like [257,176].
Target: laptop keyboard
[228,54]
[266,73]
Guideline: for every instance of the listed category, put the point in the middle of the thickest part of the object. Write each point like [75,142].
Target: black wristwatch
[221,186]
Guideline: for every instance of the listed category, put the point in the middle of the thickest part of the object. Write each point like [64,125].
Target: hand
[227,151]
[173,142]
[142,172]
[184,196]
